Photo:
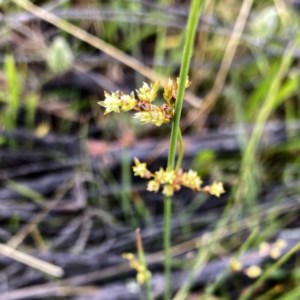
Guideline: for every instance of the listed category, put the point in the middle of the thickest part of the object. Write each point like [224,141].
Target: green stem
[180,150]
[191,28]
[167,246]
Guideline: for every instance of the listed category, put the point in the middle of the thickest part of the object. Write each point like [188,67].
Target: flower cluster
[147,112]
[172,180]
[253,271]
[143,274]
[141,101]
[274,250]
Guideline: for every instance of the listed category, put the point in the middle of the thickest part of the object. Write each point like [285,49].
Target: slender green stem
[194,15]
[167,246]
[185,65]
[180,150]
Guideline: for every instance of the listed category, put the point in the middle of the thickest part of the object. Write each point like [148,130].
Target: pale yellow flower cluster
[173,180]
[147,92]
[215,189]
[253,271]
[274,250]
[147,112]
[116,102]
[143,274]
[155,116]
[140,169]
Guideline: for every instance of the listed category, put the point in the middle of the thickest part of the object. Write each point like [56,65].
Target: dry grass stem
[31,261]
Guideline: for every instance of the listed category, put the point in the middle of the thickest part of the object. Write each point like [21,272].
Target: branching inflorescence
[173,180]
[147,112]
[170,180]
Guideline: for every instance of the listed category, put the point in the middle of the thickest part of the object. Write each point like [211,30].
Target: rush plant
[172,178]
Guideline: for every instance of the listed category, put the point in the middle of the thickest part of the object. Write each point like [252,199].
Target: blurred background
[69,202]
